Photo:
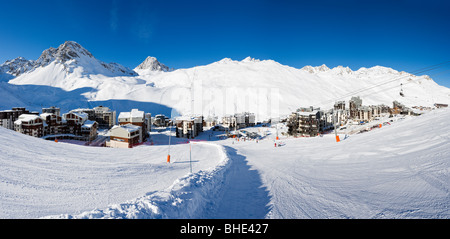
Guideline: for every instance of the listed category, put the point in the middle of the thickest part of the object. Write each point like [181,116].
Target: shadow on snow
[243,195]
[36,97]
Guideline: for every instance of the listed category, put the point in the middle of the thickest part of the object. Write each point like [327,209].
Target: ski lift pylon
[401,90]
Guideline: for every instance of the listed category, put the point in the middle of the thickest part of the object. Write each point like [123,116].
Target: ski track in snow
[243,195]
[185,198]
[221,193]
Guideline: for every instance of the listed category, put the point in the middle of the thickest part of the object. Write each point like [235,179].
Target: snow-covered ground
[397,171]
[40,178]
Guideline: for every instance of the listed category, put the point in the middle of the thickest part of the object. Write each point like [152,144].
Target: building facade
[189,127]
[8,117]
[53,124]
[74,121]
[137,118]
[30,124]
[89,130]
[239,120]
[52,110]
[124,136]
[104,116]
[306,123]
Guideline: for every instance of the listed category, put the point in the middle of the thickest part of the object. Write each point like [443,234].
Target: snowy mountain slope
[15,67]
[401,170]
[9,98]
[257,86]
[265,87]
[40,178]
[66,65]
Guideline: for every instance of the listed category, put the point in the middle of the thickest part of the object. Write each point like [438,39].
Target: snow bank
[187,197]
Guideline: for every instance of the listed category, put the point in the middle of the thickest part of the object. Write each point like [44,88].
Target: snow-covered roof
[44,115]
[128,127]
[103,109]
[307,113]
[188,118]
[88,123]
[135,113]
[79,114]
[26,118]
[181,118]
[81,110]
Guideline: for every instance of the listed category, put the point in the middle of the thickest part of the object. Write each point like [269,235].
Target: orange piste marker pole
[168,158]
[337,138]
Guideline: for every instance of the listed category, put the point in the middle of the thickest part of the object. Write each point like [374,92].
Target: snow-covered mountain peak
[343,68]
[315,69]
[65,52]
[69,62]
[377,70]
[16,66]
[323,67]
[152,64]
[225,60]
[250,59]
[340,70]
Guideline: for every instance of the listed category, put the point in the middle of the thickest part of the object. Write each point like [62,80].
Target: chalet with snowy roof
[74,122]
[104,116]
[189,127]
[89,112]
[161,120]
[29,124]
[137,118]
[124,136]
[89,130]
[53,124]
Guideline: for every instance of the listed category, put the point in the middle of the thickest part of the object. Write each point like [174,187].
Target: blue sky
[404,35]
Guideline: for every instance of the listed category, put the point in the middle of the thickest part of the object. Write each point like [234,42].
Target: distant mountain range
[73,75]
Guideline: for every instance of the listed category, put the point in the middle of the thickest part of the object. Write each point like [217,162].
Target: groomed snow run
[397,171]
[40,178]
